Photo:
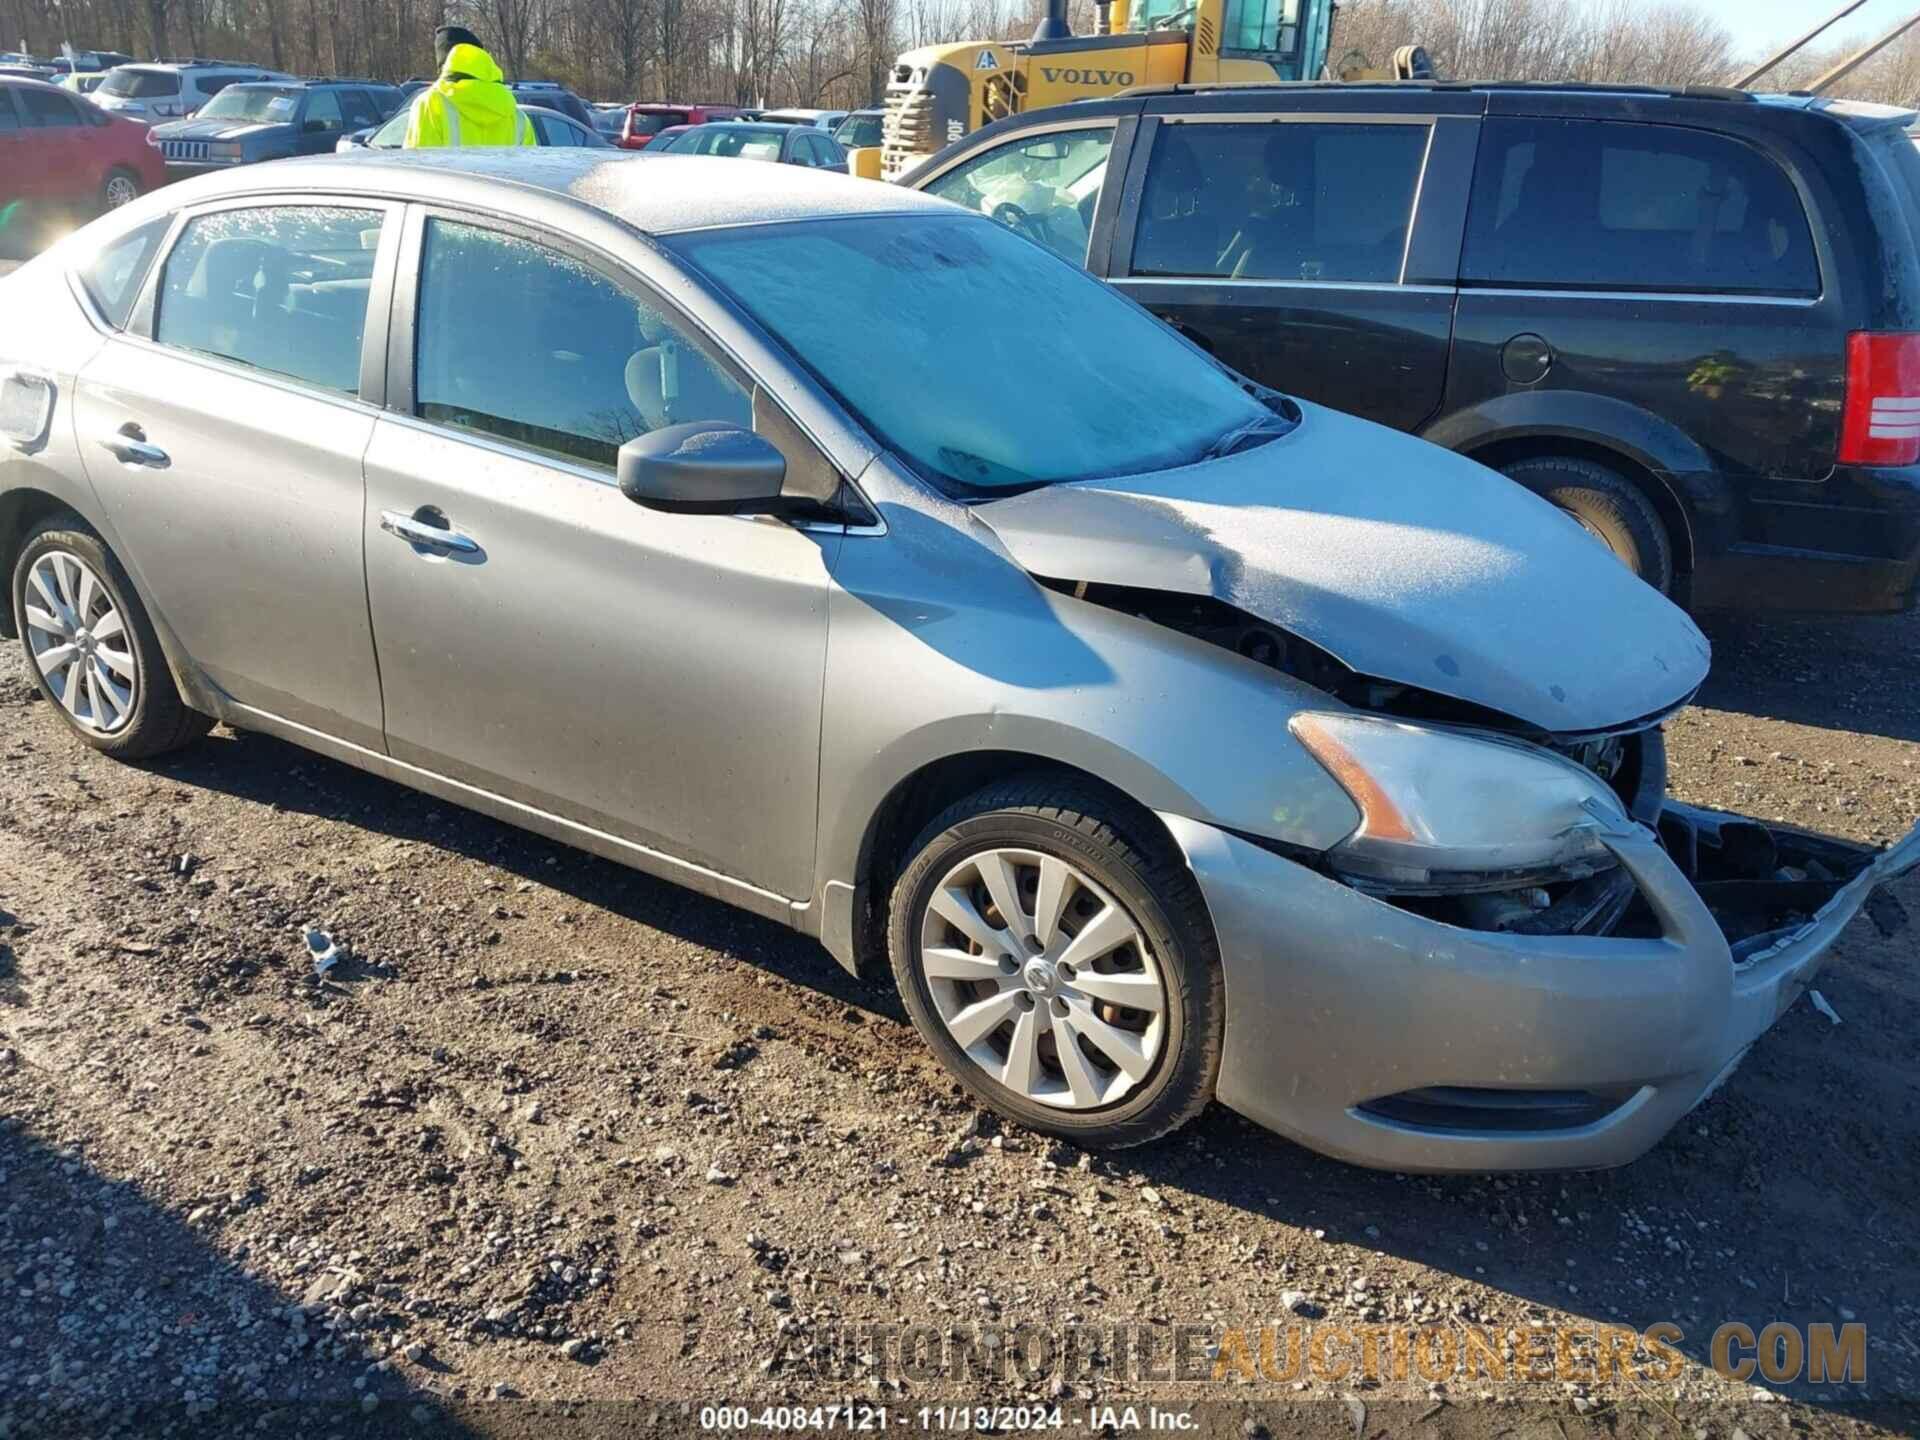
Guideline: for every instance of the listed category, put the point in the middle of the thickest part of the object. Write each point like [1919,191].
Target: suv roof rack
[1560,87]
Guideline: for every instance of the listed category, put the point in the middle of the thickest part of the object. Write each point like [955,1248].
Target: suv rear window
[140,84]
[1306,201]
[1602,205]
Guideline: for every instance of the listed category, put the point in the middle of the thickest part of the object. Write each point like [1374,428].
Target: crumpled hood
[1405,561]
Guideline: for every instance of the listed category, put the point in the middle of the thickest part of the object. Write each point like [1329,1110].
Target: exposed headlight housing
[1443,810]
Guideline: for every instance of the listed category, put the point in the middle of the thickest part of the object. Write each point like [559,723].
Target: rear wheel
[121,187]
[1054,952]
[92,648]
[1609,507]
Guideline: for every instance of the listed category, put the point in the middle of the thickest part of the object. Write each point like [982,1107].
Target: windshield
[140,84]
[652,122]
[979,358]
[391,135]
[729,138]
[273,103]
[857,131]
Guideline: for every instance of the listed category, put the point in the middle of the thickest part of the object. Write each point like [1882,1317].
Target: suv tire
[1608,506]
[144,715]
[1136,1073]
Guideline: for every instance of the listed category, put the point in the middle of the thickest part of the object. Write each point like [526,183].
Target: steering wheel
[1016,219]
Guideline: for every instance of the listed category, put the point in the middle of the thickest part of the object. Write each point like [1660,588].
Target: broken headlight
[1445,810]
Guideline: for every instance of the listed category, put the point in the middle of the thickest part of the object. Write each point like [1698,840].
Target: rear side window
[282,289]
[8,119]
[358,109]
[1596,205]
[112,278]
[48,110]
[141,84]
[1271,201]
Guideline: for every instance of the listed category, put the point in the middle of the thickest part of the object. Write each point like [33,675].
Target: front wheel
[1054,951]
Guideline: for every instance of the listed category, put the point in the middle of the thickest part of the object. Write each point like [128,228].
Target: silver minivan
[854,560]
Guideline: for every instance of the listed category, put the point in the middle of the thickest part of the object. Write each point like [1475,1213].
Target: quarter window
[112,278]
[1280,201]
[1045,187]
[1608,206]
[282,289]
[560,358]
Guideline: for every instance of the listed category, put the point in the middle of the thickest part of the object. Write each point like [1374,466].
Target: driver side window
[1045,187]
[562,358]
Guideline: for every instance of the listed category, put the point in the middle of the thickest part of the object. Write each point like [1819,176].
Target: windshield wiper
[1254,432]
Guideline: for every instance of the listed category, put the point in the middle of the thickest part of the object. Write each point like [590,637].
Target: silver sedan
[844,556]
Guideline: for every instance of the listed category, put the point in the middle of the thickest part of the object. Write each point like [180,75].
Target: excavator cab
[939,93]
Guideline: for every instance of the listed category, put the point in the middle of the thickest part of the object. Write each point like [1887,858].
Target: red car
[646,121]
[59,152]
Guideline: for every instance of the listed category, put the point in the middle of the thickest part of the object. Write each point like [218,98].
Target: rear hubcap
[1043,979]
[79,643]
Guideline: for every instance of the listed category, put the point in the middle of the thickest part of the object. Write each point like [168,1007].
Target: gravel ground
[561,1132]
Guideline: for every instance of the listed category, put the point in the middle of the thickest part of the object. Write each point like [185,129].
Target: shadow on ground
[1849,673]
[124,1320]
[1691,1234]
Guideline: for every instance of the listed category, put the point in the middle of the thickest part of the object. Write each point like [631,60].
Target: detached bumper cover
[1336,999]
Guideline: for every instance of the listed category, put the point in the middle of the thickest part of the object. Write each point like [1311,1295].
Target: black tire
[1617,511]
[109,189]
[1123,852]
[160,720]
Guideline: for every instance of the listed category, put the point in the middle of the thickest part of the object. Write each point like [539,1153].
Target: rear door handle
[432,537]
[130,447]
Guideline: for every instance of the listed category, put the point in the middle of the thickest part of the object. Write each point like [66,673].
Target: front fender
[941,647]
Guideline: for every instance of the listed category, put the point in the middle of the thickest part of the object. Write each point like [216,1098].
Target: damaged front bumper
[1386,1038]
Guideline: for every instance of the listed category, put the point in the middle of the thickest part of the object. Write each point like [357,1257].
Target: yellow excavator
[938,93]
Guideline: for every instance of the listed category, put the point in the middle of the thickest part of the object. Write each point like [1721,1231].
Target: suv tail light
[1881,422]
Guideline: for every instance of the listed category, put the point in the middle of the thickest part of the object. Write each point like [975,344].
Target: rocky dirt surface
[556,1132]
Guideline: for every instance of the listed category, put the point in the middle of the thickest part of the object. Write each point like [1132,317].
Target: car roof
[544,185]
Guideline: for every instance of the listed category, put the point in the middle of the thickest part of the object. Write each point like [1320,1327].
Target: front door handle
[129,446]
[416,531]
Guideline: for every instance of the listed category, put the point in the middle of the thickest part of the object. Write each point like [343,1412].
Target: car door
[322,124]
[224,430]
[1283,243]
[58,138]
[646,676]
[25,166]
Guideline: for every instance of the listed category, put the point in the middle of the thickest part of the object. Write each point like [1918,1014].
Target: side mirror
[315,127]
[706,468]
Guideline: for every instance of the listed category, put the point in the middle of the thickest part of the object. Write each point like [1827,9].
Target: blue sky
[1761,26]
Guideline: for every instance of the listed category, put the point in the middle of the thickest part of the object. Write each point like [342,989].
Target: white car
[819,119]
[167,90]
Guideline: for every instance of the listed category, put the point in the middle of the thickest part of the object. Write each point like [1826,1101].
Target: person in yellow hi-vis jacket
[468,104]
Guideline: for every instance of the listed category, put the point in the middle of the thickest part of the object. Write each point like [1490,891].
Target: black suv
[1689,318]
[271,120]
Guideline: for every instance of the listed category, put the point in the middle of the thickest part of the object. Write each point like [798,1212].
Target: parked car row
[1690,320]
[1164,738]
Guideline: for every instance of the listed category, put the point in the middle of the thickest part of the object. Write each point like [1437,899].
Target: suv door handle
[129,446]
[432,537]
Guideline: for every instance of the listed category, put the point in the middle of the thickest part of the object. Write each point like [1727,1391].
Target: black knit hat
[448,36]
